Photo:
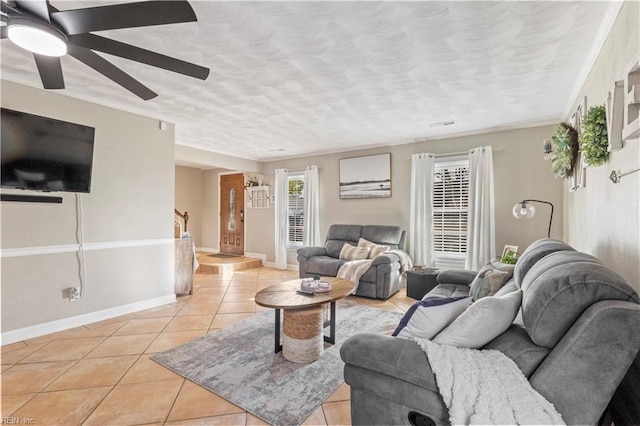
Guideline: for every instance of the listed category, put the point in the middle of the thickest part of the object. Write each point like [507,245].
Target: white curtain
[281,192]
[481,232]
[311,235]
[421,215]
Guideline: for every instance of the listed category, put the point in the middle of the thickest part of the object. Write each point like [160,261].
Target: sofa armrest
[393,356]
[312,251]
[385,258]
[456,276]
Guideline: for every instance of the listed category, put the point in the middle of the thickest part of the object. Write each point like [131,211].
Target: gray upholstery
[381,281]
[574,339]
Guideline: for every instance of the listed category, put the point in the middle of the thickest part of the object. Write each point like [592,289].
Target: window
[450,212]
[295,209]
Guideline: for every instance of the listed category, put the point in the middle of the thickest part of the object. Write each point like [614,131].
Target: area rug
[238,364]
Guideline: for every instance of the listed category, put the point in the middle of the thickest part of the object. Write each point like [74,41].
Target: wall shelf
[258,197]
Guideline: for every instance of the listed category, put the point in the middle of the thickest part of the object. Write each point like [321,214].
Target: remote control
[305,293]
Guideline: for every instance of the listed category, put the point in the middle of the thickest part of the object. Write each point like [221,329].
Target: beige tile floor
[101,374]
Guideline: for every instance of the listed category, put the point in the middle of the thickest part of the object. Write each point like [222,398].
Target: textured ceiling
[298,78]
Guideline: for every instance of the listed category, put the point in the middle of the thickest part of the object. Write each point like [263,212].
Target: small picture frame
[509,249]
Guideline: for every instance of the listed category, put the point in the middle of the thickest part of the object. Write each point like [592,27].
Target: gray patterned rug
[238,364]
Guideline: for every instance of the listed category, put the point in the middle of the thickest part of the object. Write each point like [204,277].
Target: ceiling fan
[37,26]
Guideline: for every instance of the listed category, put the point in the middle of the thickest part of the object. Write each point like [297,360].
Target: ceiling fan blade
[128,15]
[50,71]
[37,8]
[127,51]
[110,71]
[8,9]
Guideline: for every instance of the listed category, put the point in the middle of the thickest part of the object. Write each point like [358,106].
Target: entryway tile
[95,372]
[15,356]
[236,307]
[27,378]
[11,403]
[316,418]
[70,407]
[146,370]
[223,320]
[143,326]
[195,401]
[135,404]
[65,349]
[123,345]
[189,322]
[226,420]
[337,413]
[166,341]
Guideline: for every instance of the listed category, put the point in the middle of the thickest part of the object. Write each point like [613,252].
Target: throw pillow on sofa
[482,322]
[350,252]
[374,249]
[425,318]
[490,279]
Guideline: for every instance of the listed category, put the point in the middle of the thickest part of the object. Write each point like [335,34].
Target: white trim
[72,248]
[208,249]
[84,319]
[260,256]
[601,36]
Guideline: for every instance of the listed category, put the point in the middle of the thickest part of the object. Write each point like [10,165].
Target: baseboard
[207,249]
[84,319]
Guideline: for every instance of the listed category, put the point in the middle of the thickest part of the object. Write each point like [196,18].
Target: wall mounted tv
[44,154]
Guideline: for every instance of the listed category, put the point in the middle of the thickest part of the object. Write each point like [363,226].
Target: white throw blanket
[353,270]
[486,387]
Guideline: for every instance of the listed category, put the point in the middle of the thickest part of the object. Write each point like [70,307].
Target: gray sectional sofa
[574,338]
[381,281]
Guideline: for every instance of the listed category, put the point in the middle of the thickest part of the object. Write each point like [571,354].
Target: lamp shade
[524,210]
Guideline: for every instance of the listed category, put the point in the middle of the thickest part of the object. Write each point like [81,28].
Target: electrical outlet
[74,294]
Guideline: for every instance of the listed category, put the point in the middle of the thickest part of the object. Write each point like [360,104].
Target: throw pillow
[485,320]
[374,249]
[425,318]
[350,252]
[490,279]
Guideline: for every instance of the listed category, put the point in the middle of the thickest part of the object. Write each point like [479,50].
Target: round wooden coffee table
[303,319]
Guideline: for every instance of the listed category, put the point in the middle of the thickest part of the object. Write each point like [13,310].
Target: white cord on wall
[82,271]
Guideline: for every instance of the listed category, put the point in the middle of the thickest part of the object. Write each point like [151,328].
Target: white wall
[128,219]
[189,198]
[519,168]
[604,218]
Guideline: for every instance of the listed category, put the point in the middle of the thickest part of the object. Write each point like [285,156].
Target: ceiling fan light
[37,37]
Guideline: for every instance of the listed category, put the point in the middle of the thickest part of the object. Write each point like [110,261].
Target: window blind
[450,209]
[295,208]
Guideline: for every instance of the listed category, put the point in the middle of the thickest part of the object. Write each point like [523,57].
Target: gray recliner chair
[574,339]
[381,281]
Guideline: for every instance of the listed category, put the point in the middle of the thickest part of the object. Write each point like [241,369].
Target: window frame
[294,244]
[443,258]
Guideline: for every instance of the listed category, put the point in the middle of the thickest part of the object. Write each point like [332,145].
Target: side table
[421,282]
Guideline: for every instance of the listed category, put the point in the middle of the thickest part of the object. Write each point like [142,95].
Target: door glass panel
[232,210]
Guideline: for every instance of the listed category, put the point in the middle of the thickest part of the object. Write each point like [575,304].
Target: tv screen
[44,154]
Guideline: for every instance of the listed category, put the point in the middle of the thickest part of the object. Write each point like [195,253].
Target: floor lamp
[525,210]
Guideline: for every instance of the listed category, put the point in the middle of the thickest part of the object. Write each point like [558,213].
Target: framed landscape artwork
[365,177]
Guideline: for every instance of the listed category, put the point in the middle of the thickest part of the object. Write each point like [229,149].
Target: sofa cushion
[482,322]
[516,344]
[447,290]
[338,235]
[425,318]
[374,249]
[323,265]
[560,287]
[536,251]
[350,252]
[490,279]
[391,236]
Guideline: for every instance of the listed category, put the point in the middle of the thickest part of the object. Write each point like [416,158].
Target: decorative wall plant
[565,151]
[593,140]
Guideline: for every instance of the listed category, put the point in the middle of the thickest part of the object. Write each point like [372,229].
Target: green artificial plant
[565,151]
[593,140]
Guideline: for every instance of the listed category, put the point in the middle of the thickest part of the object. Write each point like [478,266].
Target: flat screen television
[44,154]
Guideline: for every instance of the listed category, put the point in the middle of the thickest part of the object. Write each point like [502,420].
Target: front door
[232,214]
